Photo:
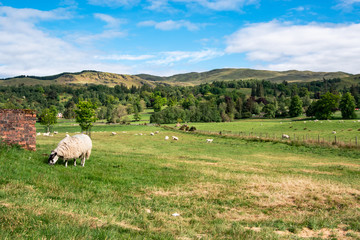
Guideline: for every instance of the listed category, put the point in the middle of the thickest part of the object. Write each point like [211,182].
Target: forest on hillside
[210,102]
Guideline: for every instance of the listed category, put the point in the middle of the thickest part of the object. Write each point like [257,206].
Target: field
[133,184]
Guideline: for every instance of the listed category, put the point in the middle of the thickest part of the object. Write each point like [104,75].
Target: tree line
[210,102]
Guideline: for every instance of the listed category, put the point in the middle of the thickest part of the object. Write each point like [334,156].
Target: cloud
[221,5]
[347,4]
[170,25]
[28,50]
[169,58]
[111,22]
[125,57]
[283,46]
[114,3]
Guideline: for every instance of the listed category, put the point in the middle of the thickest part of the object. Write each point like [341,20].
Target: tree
[85,115]
[326,105]
[347,106]
[295,108]
[137,116]
[48,117]
[269,110]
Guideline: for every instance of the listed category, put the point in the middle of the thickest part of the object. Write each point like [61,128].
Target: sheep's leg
[74,162]
[83,161]
[66,162]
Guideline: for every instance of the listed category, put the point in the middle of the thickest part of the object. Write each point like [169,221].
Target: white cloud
[28,50]
[216,5]
[111,22]
[170,25]
[114,3]
[125,57]
[282,46]
[347,4]
[169,58]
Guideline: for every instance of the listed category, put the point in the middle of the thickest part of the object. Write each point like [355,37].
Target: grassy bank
[133,184]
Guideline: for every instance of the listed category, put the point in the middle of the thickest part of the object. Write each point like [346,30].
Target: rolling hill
[187,79]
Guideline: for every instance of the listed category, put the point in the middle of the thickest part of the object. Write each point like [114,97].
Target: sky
[166,37]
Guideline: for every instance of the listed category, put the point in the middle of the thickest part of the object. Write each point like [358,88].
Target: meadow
[144,187]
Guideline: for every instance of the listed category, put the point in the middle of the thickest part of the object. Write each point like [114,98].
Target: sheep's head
[53,158]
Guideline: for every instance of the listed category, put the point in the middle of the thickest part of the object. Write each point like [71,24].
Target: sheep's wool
[74,147]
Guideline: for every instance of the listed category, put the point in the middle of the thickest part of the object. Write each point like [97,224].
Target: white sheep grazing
[334,132]
[285,136]
[55,132]
[209,140]
[166,137]
[156,132]
[38,134]
[77,146]
[175,138]
[113,133]
[46,134]
[152,134]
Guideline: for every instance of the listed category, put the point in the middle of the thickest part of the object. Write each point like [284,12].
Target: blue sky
[165,37]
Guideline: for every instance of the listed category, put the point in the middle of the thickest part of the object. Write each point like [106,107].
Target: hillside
[84,77]
[193,78]
[229,74]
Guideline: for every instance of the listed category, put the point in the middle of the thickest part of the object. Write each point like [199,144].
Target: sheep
[77,146]
[156,132]
[38,134]
[334,132]
[175,138]
[55,132]
[166,137]
[152,134]
[285,136]
[113,133]
[46,134]
[209,140]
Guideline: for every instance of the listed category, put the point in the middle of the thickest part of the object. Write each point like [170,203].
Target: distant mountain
[186,79]
[228,74]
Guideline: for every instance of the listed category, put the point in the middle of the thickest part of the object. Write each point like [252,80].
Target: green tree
[347,106]
[269,110]
[295,108]
[326,105]
[48,117]
[85,115]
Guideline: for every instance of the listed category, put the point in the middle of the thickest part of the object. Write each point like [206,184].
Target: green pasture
[346,130]
[133,183]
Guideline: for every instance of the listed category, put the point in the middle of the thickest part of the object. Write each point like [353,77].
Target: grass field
[133,184]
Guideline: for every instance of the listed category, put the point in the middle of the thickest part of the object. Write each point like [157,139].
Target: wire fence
[296,139]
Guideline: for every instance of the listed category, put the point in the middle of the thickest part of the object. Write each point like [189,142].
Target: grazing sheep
[55,132]
[46,134]
[166,137]
[38,134]
[175,138]
[284,136]
[334,132]
[156,132]
[152,134]
[113,133]
[209,140]
[77,146]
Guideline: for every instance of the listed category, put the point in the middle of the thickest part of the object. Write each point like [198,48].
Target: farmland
[133,184]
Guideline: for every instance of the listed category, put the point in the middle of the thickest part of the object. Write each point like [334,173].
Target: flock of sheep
[80,145]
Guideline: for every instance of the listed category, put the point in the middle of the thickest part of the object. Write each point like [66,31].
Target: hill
[229,74]
[186,79]
[84,77]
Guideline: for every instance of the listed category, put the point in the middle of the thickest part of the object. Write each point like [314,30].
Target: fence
[333,141]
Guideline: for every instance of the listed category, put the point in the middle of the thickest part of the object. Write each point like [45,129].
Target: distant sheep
[156,132]
[113,133]
[55,132]
[77,146]
[175,138]
[152,134]
[284,136]
[333,132]
[166,137]
[46,134]
[209,140]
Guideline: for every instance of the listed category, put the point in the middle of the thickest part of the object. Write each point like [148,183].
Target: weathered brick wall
[17,126]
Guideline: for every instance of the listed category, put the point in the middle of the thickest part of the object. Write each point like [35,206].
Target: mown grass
[132,184]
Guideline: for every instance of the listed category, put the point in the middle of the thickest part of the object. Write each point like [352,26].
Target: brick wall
[17,126]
